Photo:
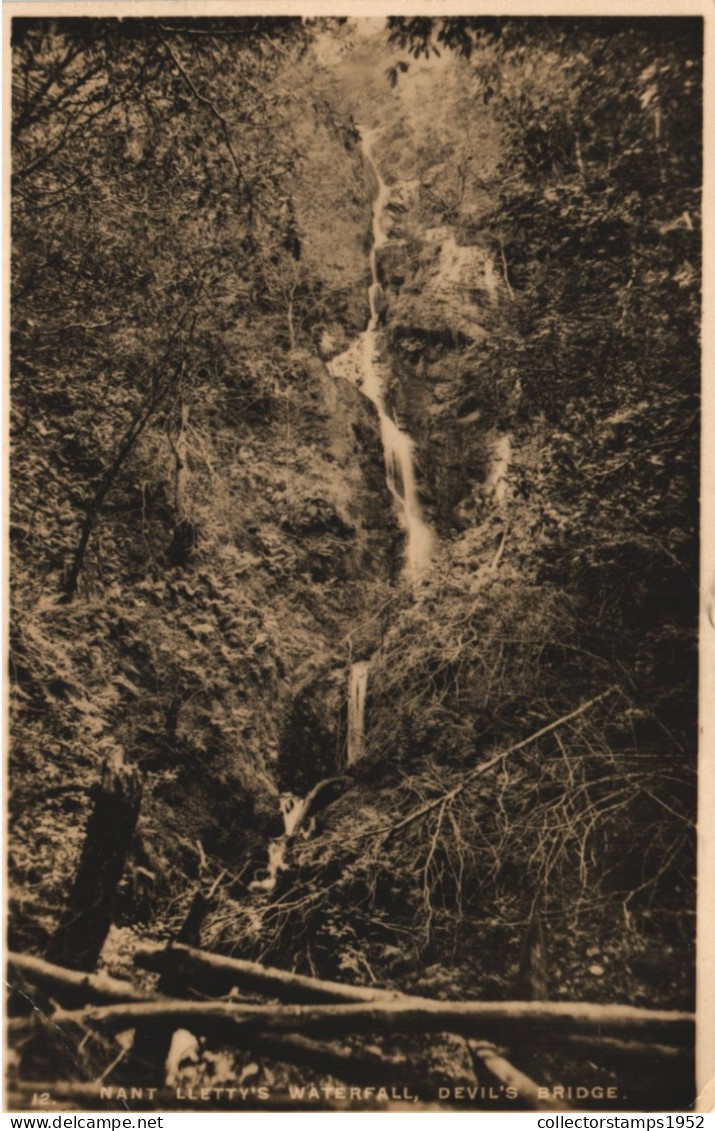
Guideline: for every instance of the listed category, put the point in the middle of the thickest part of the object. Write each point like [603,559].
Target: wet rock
[230,814]
[404,196]
[353,518]
[314,734]
[394,260]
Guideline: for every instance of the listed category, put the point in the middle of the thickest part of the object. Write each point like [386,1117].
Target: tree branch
[213,973]
[490,763]
[211,107]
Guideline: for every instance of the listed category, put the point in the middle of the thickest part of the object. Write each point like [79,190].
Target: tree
[149,238]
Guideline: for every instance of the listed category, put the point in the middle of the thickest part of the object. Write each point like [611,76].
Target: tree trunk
[181,472]
[412,1015]
[533,978]
[289,316]
[71,988]
[184,536]
[83,927]
[215,974]
[96,503]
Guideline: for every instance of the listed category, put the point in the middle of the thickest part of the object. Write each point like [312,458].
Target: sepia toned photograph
[353,535]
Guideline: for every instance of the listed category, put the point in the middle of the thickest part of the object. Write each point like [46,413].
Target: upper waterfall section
[366,368]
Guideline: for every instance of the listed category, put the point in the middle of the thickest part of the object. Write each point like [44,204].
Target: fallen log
[215,974]
[615,1050]
[71,987]
[422,1015]
[355,1066]
[530,1093]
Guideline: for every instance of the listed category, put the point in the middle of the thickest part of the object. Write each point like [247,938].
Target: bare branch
[483,767]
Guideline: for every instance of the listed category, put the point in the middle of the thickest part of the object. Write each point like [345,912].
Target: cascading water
[397,444]
[397,448]
[400,477]
[357,691]
[292,809]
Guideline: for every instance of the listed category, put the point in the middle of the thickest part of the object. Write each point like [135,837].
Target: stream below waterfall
[293,810]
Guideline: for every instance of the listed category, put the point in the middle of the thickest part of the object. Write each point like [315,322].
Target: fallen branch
[415,1015]
[529,1092]
[354,1066]
[490,763]
[614,1050]
[71,986]
[215,974]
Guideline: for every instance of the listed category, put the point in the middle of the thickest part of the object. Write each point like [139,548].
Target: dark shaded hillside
[198,509]
[205,547]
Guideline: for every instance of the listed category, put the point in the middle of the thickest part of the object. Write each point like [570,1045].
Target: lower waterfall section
[293,809]
[357,690]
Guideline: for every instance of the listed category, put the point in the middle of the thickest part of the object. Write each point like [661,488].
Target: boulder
[394,260]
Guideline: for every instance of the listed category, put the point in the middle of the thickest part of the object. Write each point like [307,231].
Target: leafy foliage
[164,423]
[201,534]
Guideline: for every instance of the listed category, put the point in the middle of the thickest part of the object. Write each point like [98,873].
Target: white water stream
[357,690]
[292,809]
[396,444]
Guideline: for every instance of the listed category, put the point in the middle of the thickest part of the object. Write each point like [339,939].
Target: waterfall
[397,445]
[362,363]
[357,690]
[292,810]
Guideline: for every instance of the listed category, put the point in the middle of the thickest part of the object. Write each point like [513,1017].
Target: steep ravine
[224,675]
[461,283]
[360,365]
[433,293]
